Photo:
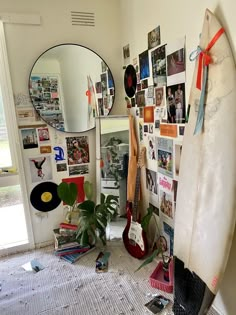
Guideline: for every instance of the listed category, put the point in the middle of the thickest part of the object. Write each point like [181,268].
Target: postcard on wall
[29,138]
[77,150]
[154,38]
[140,127]
[175,55]
[166,200]
[151,181]
[160,114]
[168,233]
[177,159]
[144,65]
[27,115]
[126,52]
[45,149]
[165,156]
[140,99]
[78,170]
[40,168]
[61,167]
[175,188]
[151,152]
[160,96]
[43,134]
[158,60]
[175,102]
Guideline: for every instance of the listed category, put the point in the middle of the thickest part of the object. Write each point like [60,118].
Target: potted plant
[159,248]
[92,218]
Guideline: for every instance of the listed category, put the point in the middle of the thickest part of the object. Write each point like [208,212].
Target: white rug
[63,288]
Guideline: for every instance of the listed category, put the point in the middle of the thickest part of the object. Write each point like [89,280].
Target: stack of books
[66,246]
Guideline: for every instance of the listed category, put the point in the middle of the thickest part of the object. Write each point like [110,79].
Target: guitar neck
[136,195]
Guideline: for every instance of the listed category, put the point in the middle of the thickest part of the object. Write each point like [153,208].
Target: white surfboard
[205,209]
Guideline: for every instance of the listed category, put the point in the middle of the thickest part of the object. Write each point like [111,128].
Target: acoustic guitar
[134,237]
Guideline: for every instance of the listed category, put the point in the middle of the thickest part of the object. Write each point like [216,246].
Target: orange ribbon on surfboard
[204,59]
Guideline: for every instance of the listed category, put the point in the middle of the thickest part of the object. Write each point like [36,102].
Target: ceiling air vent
[82,18]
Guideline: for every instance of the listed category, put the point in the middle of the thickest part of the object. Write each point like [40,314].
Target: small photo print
[29,138]
[166,205]
[144,65]
[151,181]
[178,151]
[45,149]
[175,102]
[176,62]
[40,168]
[158,58]
[151,148]
[175,56]
[145,128]
[160,96]
[126,52]
[78,170]
[157,124]
[77,150]
[104,66]
[150,128]
[181,130]
[154,38]
[144,84]
[140,131]
[150,91]
[139,87]
[43,134]
[98,87]
[61,167]
[140,99]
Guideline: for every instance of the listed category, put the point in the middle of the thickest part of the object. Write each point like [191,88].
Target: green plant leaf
[68,193]
[88,190]
[146,219]
[149,259]
[87,206]
[84,239]
[111,198]
[103,197]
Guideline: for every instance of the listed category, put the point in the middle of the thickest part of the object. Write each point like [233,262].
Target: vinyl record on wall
[130,81]
[44,197]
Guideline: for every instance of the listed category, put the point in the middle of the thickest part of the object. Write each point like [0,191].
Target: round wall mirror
[69,85]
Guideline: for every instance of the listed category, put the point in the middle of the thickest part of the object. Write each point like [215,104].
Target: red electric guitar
[134,237]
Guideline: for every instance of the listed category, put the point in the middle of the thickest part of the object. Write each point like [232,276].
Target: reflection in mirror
[69,86]
[112,134]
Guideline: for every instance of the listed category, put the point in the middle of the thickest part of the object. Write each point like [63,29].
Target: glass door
[15,226]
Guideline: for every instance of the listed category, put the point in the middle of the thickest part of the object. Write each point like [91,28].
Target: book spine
[72,251]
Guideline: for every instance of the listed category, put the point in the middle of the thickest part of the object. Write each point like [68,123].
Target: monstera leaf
[68,193]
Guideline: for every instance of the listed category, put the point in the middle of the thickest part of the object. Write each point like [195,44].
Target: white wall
[177,19]
[26,42]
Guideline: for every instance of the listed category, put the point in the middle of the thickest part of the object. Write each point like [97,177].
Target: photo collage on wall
[159,106]
[42,157]
[45,96]
[105,91]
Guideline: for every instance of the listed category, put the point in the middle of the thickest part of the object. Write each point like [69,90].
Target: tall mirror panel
[112,134]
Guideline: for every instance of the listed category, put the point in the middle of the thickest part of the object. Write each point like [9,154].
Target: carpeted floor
[63,288]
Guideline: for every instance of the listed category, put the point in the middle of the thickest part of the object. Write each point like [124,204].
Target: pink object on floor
[157,278]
